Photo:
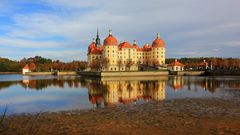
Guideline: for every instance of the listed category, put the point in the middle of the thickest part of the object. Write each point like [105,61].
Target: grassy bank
[180,116]
[223,73]
[5,73]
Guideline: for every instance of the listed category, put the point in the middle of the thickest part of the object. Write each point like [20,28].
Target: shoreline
[183,116]
[126,74]
[9,73]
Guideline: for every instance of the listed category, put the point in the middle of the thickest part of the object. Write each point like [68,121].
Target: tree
[32,66]
[120,64]
[155,63]
[99,64]
[129,64]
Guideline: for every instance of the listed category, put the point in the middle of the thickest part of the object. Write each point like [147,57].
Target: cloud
[24,43]
[235,43]
[68,55]
[187,24]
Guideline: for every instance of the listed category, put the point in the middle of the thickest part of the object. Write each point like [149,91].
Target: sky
[63,29]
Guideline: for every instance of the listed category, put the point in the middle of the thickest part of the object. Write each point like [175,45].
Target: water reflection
[125,91]
[66,92]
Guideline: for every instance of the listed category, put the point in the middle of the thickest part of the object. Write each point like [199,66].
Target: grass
[32,130]
[3,127]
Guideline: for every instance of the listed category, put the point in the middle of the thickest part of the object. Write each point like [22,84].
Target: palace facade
[112,56]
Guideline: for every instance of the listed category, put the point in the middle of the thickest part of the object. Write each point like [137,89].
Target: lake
[32,94]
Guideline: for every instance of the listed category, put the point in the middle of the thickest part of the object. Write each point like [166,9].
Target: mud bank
[179,116]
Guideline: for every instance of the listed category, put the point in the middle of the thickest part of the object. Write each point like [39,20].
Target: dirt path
[182,116]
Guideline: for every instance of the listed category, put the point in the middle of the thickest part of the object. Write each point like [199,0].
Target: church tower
[98,41]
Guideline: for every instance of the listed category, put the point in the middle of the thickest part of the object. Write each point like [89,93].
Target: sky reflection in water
[28,94]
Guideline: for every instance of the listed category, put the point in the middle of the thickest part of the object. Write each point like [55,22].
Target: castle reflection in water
[112,91]
[125,91]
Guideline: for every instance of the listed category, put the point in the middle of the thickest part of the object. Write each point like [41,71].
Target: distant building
[203,65]
[175,66]
[126,56]
[26,69]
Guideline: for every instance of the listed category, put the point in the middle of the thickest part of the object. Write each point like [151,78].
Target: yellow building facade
[125,56]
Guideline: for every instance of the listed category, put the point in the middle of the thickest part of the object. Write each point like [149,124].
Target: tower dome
[110,40]
[92,46]
[125,45]
[158,42]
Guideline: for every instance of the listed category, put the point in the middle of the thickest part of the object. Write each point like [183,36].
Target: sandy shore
[181,116]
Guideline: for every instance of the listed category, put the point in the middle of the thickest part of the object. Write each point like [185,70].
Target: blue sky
[63,29]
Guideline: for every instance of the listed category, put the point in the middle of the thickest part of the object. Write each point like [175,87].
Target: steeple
[134,42]
[110,32]
[158,35]
[98,41]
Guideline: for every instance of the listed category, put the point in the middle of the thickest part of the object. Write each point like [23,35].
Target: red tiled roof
[158,43]
[110,40]
[125,45]
[146,48]
[26,67]
[176,63]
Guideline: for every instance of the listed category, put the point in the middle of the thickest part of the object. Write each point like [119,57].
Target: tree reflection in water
[126,90]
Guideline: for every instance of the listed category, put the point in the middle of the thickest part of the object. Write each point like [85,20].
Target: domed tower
[111,51]
[158,51]
[91,48]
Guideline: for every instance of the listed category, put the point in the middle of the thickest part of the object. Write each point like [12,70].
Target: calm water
[29,94]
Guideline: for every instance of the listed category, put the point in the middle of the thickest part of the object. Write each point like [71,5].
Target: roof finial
[93,40]
[134,42]
[110,32]
[158,35]
[97,31]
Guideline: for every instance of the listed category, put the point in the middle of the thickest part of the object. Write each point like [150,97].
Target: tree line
[215,62]
[40,64]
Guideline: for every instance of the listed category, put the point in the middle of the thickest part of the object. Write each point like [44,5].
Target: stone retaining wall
[125,73]
[191,73]
[39,73]
[67,73]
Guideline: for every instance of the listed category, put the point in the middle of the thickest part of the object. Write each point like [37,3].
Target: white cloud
[66,55]
[235,43]
[22,43]
[198,23]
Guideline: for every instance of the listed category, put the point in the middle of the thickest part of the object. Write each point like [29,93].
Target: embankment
[123,73]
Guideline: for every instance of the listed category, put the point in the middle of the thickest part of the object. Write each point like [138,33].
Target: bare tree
[129,64]
[120,64]
[155,63]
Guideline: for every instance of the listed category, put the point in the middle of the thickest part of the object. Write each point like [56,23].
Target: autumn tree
[129,64]
[120,64]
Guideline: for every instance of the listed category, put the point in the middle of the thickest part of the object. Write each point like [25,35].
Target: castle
[112,56]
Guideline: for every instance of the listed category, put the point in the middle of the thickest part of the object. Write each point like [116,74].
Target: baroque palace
[112,56]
